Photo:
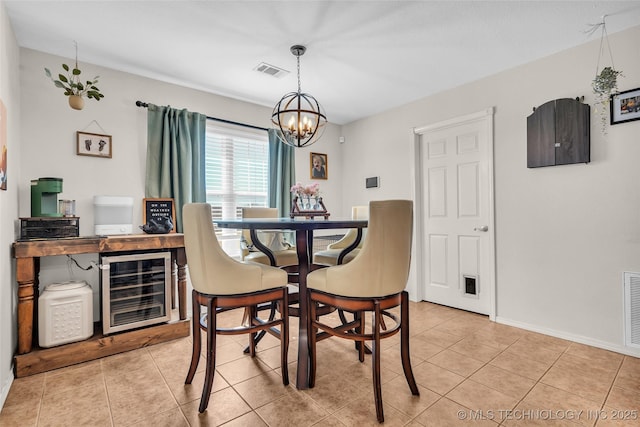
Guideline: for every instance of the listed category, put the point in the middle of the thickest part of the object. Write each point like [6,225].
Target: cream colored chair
[221,283]
[283,257]
[374,281]
[329,257]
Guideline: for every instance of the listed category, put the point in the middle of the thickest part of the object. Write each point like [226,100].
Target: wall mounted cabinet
[558,133]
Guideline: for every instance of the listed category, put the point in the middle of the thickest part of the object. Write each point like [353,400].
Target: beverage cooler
[136,290]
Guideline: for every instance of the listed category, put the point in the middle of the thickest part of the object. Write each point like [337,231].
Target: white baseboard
[5,389]
[571,337]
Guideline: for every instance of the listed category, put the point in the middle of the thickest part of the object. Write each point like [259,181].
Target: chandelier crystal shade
[298,116]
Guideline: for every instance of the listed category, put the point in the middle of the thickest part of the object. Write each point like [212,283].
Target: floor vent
[632,309]
[270,70]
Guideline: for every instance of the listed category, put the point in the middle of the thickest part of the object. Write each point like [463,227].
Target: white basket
[65,313]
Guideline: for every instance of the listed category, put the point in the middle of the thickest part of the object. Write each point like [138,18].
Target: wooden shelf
[46,359]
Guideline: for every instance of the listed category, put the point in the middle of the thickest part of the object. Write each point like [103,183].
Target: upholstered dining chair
[374,281]
[330,255]
[222,283]
[283,256]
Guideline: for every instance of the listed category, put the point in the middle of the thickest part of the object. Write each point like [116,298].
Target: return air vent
[632,309]
[270,70]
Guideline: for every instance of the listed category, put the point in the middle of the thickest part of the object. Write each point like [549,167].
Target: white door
[455,198]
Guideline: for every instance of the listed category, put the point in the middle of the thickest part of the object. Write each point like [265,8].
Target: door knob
[482,228]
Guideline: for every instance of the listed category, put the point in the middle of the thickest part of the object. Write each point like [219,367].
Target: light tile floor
[470,372]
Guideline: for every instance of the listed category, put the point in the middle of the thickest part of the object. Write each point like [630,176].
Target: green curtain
[176,157]
[282,173]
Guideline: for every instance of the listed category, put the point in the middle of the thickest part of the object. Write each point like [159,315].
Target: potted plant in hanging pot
[604,85]
[73,86]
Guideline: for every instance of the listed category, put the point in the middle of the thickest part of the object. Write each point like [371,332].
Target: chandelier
[298,116]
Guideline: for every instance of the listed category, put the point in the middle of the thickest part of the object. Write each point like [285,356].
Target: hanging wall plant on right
[605,83]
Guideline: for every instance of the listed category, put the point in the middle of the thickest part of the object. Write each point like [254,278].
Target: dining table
[304,229]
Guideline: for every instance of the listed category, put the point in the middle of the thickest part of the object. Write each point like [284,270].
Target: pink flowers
[305,190]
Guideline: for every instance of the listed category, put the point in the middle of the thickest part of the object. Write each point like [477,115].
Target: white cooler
[65,313]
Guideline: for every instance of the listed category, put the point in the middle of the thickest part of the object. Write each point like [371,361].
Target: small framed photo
[625,106]
[319,168]
[94,144]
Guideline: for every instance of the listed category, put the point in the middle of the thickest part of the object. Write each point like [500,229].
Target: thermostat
[372,182]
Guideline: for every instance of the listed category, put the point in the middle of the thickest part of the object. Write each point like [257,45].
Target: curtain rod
[145,105]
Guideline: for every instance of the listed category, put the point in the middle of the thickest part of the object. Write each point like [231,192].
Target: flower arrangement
[309,190]
[305,194]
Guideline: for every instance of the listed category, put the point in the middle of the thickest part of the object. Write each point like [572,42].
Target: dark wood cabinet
[558,133]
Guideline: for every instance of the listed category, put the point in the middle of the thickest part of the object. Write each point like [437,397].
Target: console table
[27,255]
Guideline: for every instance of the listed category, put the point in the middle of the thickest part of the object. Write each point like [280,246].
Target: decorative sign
[157,208]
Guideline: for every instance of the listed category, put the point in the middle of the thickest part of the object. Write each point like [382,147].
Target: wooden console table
[28,253]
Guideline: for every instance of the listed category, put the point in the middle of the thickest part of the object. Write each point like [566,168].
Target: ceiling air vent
[270,70]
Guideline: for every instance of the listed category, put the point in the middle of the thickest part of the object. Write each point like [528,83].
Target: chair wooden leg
[284,338]
[404,343]
[313,333]
[196,338]
[253,312]
[260,335]
[211,354]
[375,362]
[360,345]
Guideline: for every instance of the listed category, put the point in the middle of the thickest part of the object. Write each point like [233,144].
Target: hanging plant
[73,86]
[605,83]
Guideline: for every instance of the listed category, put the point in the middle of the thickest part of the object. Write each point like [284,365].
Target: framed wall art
[319,168]
[625,106]
[94,144]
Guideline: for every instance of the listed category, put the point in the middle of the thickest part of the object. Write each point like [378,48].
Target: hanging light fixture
[298,116]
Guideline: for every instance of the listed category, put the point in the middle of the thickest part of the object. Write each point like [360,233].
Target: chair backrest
[357,212]
[360,212]
[211,270]
[382,266]
[256,213]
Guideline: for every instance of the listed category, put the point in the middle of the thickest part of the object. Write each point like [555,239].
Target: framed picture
[156,208]
[94,144]
[625,106]
[319,168]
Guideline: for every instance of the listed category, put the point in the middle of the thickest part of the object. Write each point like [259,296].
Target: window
[237,173]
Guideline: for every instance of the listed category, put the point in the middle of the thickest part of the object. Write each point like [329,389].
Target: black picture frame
[625,106]
[158,207]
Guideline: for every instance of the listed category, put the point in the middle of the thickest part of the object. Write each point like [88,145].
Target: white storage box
[65,313]
[113,215]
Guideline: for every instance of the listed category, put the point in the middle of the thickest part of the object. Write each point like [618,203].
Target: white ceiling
[363,57]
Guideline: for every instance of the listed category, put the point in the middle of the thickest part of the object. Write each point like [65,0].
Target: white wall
[564,234]
[10,96]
